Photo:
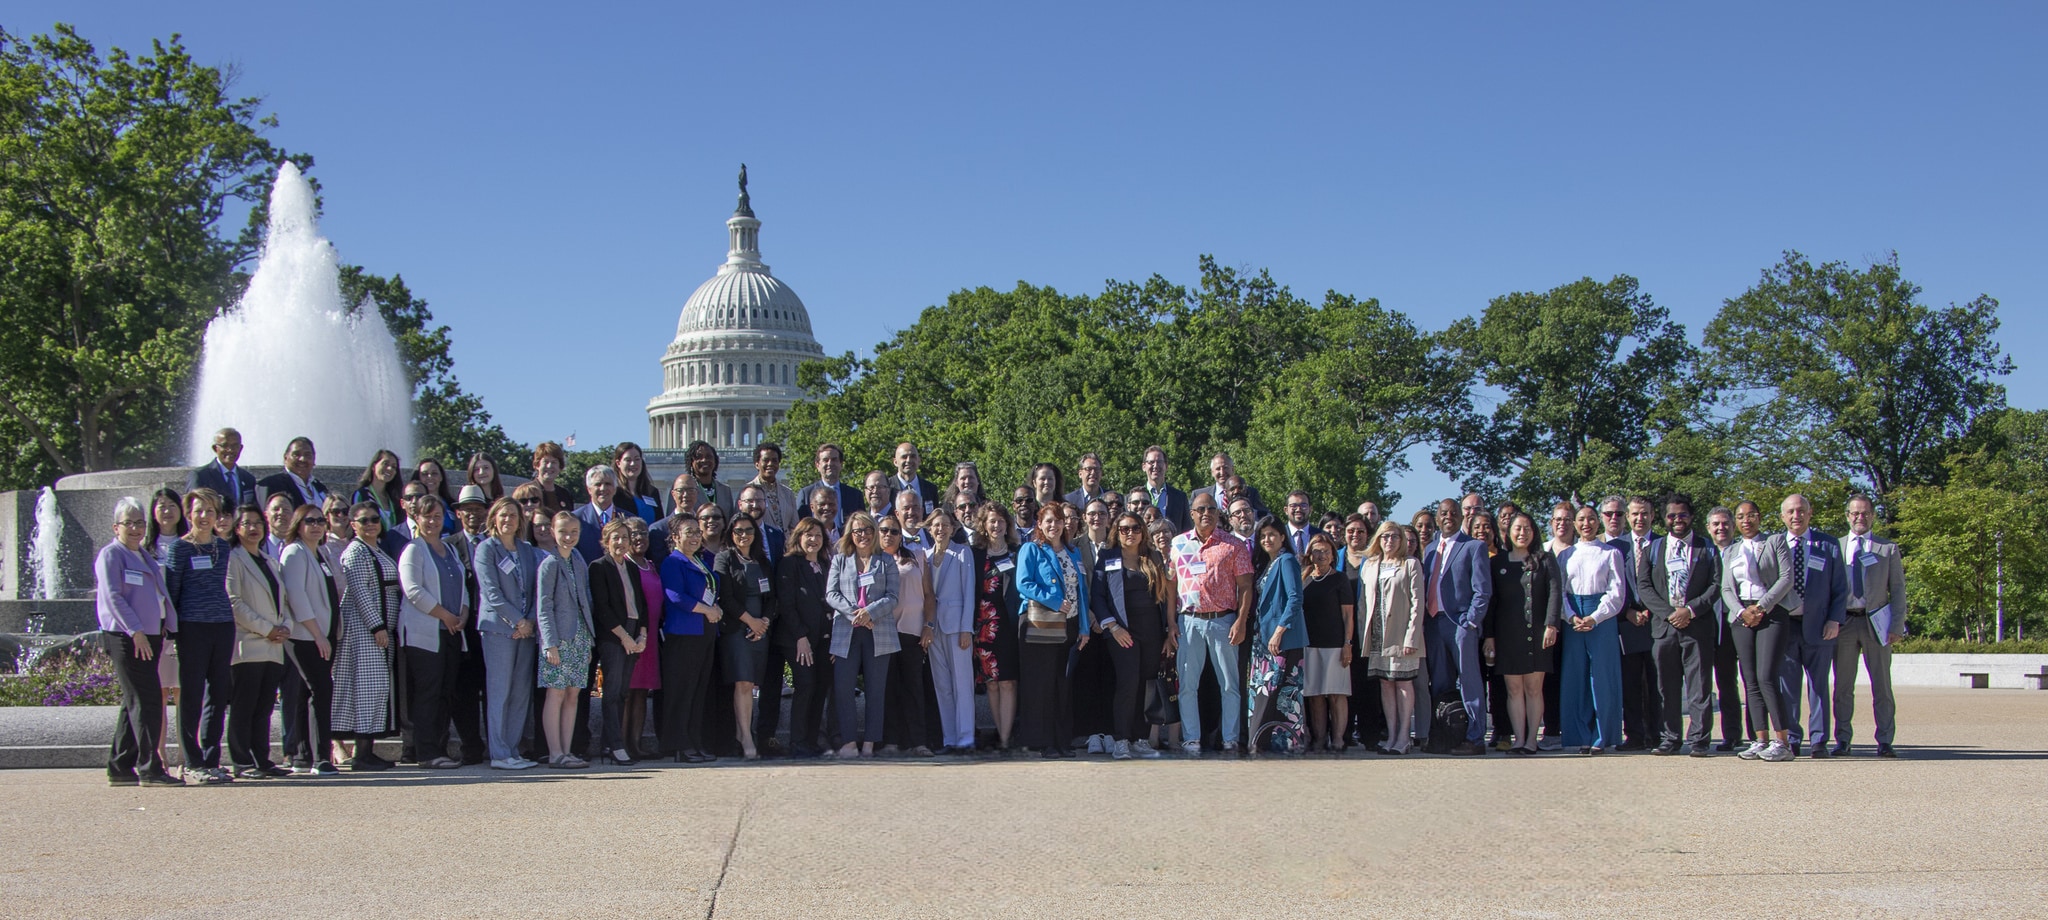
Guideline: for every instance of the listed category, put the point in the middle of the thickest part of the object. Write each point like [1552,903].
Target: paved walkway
[1953,829]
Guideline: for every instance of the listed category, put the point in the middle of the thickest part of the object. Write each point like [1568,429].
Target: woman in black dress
[1326,595]
[1522,624]
[995,615]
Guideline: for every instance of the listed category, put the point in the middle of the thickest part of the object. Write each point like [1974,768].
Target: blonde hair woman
[1390,629]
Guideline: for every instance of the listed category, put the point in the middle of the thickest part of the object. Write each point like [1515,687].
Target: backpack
[1447,727]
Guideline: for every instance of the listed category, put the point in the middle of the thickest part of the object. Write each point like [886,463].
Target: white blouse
[1593,567]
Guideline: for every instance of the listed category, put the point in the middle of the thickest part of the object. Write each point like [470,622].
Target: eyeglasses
[131,523]
[1205,509]
[862,531]
[364,521]
[1610,514]
[743,531]
[528,501]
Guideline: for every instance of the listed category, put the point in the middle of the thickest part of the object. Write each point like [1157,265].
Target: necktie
[1856,570]
[1679,577]
[1799,566]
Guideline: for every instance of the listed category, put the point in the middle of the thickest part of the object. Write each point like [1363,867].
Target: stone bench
[1975,680]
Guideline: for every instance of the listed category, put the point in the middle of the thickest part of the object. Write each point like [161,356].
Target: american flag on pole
[569,441]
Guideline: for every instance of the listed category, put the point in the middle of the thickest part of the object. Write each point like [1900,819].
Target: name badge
[324,570]
[201,563]
[1868,558]
[1198,567]
[507,564]
[1113,565]
[1816,562]
[133,578]
[867,579]
[763,583]
[1006,565]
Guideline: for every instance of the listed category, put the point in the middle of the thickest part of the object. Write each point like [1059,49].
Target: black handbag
[1162,694]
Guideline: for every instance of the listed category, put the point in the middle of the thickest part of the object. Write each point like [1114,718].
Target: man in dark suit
[1819,604]
[1299,531]
[602,482]
[1457,589]
[296,483]
[829,460]
[1678,580]
[1171,502]
[1876,619]
[237,486]
[1727,675]
[1222,469]
[1090,474]
[753,502]
[908,462]
[1639,702]
[877,499]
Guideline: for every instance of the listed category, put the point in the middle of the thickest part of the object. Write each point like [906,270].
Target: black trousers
[1092,687]
[250,704]
[1135,668]
[1683,658]
[860,663]
[1639,703]
[1045,693]
[1728,687]
[685,681]
[139,728]
[618,677]
[431,676]
[1553,705]
[466,700]
[1368,720]
[904,723]
[204,687]
[308,704]
[812,683]
[1761,650]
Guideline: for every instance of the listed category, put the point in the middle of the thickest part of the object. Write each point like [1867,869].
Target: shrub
[1916,646]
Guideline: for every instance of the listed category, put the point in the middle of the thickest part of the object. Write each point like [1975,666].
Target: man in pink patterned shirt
[1214,569]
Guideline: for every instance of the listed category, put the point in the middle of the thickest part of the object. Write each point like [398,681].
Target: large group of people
[477,626]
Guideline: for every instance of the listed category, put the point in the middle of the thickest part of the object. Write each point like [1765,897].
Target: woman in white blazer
[1390,622]
[257,668]
[430,631]
[313,586]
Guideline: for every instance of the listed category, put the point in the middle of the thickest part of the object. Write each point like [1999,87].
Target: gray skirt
[1323,672]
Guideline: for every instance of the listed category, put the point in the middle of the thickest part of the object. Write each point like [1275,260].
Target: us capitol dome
[730,374]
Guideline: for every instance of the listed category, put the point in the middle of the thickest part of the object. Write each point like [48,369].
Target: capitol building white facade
[730,374]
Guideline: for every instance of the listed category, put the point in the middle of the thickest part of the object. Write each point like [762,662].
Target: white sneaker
[1755,750]
[1550,743]
[1121,751]
[1778,752]
[1095,745]
[1229,747]
[1143,750]
[1191,748]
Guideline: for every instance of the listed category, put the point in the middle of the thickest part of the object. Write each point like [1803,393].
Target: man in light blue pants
[1214,570]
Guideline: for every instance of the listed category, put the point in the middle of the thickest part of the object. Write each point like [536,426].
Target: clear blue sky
[556,178]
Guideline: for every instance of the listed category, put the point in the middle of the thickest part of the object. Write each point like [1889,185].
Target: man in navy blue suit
[235,484]
[908,460]
[1628,530]
[602,482]
[1457,588]
[1820,605]
[1299,530]
[1171,502]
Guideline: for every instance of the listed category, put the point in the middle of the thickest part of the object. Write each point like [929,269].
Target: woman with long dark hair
[260,633]
[995,618]
[481,471]
[1594,591]
[166,523]
[1132,596]
[636,488]
[1273,687]
[205,639]
[383,485]
[743,572]
[430,473]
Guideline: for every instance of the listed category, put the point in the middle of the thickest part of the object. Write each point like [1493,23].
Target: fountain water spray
[291,358]
[44,544]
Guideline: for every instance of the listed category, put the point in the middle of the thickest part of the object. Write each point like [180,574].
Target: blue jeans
[509,674]
[1201,642]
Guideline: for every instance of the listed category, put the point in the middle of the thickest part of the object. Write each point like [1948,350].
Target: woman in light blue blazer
[567,635]
[862,593]
[1273,691]
[952,651]
[1054,610]
[505,582]
[430,630]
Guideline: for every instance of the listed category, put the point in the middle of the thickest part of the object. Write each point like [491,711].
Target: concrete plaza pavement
[1952,828]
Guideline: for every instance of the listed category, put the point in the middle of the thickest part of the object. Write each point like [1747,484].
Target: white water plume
[292,359]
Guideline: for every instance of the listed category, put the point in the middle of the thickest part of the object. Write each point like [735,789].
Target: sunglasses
[861,531]
[529,501]
[317,520]
[1126,528]
[362,521]
[891,532]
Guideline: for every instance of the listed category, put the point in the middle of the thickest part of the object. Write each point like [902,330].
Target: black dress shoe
[1841,749]
[1795,748]
[1666,749]
[123,779]
[1700,750]
[1820,752]
[1725,746]
[1468,749]
[1632,746]
[159,778]
[1885,750]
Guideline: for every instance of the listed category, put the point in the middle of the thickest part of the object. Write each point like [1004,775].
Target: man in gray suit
[1876,618]
[1678,579]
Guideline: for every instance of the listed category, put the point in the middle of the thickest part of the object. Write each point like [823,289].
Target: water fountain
[45,546]
[293,359]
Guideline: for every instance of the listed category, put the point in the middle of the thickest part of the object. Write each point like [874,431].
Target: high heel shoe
[618,758]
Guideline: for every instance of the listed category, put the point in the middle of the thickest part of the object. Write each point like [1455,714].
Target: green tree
[1338,422]
[451,423]
[116,174]
[1976,558]
[1586,374]
[1843,372]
